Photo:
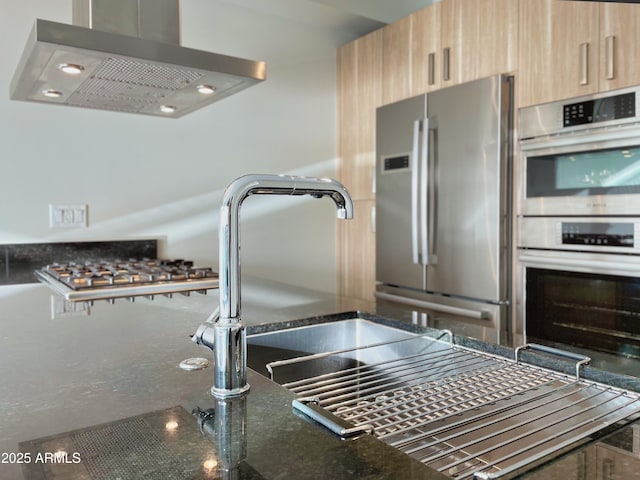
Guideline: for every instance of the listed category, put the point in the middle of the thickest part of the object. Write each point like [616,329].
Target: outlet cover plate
[68,216]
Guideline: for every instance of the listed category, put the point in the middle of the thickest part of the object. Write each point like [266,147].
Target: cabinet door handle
[373,180]
[373,219]
[446,52]
[432,68]
[607,469]
[584,63]
[610,46]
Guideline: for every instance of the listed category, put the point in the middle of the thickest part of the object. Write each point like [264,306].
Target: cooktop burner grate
[108,279]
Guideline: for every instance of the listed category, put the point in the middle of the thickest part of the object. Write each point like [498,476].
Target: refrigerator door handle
[462,312]
[431,192]
[424,193]
[415,192]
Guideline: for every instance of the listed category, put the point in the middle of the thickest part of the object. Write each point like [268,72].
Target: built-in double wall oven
[578,232]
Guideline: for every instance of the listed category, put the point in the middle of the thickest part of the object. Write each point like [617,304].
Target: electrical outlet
[68,216]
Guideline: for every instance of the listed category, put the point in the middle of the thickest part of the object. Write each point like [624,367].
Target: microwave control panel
[599,234]
[600,110]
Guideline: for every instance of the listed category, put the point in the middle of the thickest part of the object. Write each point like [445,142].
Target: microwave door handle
[415,191]
[424,193]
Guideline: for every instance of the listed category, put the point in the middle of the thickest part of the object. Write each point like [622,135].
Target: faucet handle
[205,334]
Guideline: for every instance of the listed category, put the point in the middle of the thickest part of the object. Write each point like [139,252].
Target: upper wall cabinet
[447,43]
[396,60]
[425,49]
[568,49]
[559,44]
[479,39]
[411,48]
[619,45]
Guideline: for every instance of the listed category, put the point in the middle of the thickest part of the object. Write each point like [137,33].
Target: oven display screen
[598,234]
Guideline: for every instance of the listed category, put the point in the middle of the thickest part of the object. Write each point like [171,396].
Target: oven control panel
[612,234]
[600,110]
[589,112]
[580,234]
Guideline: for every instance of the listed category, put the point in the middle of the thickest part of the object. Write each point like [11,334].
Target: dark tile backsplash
[18,261]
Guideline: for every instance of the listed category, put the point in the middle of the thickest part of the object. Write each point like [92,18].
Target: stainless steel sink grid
[463,412]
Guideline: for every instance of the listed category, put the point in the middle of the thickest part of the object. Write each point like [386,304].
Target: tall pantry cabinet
[359,79]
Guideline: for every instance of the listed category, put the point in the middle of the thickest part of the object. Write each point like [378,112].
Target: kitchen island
[96,392]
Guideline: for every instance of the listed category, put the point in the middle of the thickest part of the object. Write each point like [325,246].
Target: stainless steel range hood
[125,55]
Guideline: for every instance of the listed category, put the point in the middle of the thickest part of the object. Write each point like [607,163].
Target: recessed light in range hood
[94,68]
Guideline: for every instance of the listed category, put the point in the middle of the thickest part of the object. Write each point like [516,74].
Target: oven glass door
[611,171]
[595,311]
[581,178]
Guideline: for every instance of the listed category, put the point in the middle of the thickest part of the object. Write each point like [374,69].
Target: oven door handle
[583,265]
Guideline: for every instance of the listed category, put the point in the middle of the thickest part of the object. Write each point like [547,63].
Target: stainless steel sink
[326,347]
[323,337]
[461,411]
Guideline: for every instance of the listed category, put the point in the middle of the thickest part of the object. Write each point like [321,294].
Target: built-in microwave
[578,228]
[581,156]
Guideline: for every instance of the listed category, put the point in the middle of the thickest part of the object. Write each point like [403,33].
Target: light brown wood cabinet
[359,79]
[558,44]
[357,253]
[411,48]
[569,49]
[425,49]
[614,464]
[479,39]
[620,32]
[447,43]
[396,61]
[359,94]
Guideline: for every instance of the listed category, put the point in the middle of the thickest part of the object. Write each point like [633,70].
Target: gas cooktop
[110,279]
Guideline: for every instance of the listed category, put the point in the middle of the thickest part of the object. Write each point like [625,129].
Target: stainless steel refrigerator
[443,196]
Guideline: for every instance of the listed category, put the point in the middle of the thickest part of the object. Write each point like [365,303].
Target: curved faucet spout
[235,194]
[228,338]
[254,184]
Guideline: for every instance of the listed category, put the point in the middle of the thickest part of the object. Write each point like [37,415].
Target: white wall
[147,177]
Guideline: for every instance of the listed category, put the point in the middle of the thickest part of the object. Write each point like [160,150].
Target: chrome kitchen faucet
[224,332]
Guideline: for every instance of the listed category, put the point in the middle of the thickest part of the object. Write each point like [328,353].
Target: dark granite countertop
[102,384]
